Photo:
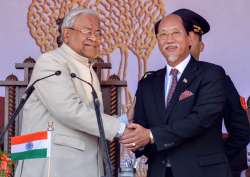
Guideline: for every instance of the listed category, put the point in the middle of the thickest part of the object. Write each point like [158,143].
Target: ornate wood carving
[127,25]
[114,147]
[11,108]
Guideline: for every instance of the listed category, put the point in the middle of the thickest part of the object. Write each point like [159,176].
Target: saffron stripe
[29,137]
[40,153]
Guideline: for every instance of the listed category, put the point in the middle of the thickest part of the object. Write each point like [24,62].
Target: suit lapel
[186,78]
[158,92]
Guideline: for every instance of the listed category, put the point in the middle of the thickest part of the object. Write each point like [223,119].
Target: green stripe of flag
[32,154]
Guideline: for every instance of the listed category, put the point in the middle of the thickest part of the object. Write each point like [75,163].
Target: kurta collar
[72,54]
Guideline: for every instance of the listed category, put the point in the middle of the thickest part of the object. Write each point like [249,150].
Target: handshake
[135,136]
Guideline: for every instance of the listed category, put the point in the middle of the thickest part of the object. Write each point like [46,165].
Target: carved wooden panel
[126,25]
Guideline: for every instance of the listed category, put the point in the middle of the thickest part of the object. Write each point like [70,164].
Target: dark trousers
[169,172]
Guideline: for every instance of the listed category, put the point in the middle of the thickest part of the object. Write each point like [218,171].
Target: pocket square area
[185,95]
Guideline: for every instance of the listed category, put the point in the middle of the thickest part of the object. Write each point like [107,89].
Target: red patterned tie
[174,73]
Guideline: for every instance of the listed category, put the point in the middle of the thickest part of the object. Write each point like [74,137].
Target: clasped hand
[135,136]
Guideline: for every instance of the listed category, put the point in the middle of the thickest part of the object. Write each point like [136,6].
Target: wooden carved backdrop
[127,25]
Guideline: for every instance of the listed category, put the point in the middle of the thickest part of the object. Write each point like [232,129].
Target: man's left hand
[137,138]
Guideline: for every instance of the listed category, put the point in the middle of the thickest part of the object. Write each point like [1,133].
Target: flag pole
[50,130]
[49,167]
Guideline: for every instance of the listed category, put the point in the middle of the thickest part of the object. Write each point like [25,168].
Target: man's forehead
[169,28]
[87,19]
[170,22]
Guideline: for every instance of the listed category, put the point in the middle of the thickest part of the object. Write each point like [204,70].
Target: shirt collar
[180,67]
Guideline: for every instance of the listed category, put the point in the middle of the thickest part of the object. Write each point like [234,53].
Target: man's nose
[92,37]
[170,37]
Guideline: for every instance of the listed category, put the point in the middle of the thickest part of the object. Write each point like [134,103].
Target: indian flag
[30,146]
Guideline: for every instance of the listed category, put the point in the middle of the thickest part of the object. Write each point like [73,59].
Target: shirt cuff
[121,130]
[123,119]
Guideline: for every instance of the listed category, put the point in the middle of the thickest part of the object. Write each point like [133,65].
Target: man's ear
[191,36]
[189,39]
[202,46]
[65,33]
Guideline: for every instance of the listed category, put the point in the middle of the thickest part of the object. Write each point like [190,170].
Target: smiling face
[173,40]
[84,36]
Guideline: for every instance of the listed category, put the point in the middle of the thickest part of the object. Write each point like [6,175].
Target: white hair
[70,18]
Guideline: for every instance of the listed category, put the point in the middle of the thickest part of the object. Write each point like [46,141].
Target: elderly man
[68,103]
[180,107]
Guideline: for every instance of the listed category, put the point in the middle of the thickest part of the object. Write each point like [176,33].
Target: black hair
[156,26]
[187,26]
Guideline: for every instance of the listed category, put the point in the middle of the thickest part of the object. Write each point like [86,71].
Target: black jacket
[188,132]
[236,122]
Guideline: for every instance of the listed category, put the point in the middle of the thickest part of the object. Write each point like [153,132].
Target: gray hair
[70,18]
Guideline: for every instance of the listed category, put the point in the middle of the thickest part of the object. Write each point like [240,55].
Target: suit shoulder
[231,90]
[212,68]
[149,75]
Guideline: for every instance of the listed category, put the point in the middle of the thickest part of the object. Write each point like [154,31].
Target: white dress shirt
[168,78]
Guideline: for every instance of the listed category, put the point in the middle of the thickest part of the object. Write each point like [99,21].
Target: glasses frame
[87,32]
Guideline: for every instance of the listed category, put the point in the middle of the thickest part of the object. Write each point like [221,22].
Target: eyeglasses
[165,34]
[87,32]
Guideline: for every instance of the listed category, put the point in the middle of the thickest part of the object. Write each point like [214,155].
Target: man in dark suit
[180,107]
[235,117]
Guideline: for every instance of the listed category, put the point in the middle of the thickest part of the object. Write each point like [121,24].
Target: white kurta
[68,103]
